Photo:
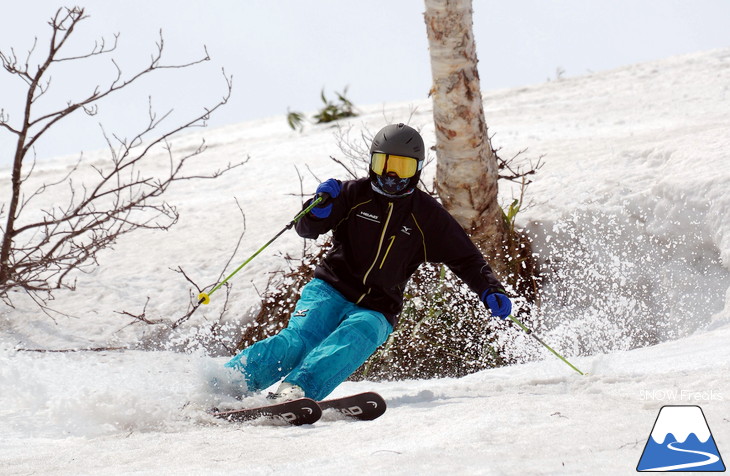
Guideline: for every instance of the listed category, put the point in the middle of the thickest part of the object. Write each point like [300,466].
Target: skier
[383,229]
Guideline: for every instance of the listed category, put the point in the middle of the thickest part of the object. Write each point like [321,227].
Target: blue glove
[328,188]
[498,303]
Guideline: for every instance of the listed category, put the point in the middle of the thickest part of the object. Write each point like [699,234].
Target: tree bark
[467,169]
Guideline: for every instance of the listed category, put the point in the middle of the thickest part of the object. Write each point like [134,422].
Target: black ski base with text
[304,411]
[362,406]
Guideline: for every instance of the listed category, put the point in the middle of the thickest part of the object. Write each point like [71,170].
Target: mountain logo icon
[681,441]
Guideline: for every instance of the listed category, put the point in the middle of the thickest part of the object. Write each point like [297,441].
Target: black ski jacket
[378,243]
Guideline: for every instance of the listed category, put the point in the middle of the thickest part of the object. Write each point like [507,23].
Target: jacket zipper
[390,245]
[380,247]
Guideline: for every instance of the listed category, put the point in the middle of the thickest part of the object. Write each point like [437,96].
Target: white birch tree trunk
[467,170]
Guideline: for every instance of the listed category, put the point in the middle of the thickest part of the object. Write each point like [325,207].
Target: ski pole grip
[324,197]
[317,200]
[320,199]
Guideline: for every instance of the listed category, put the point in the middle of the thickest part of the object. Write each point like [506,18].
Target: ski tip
[365,406]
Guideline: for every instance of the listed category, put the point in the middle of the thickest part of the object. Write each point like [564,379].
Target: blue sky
[282,53]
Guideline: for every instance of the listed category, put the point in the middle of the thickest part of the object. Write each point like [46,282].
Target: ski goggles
[383,164]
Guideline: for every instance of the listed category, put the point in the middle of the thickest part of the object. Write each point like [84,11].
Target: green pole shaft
[299,216]
[529,331]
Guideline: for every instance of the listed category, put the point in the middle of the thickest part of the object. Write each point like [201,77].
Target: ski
[362,406]
[303,411]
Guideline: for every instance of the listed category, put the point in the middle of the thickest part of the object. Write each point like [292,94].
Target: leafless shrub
[41,248]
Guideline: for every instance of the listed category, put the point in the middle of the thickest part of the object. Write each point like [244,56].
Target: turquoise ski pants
[327,339]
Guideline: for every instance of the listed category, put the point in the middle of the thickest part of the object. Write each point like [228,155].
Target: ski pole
[529,332]
[204,298]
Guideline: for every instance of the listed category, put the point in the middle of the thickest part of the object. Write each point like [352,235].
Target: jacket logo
[406,230]
[369,217]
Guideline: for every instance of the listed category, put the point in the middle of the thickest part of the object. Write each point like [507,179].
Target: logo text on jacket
[369,216]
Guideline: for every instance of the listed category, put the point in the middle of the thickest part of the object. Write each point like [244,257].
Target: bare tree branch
[142,316]
[39,253]
[194,300]
[518,173]
[88,349]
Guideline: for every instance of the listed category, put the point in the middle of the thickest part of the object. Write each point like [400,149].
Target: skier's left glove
[497,302]
[328,189]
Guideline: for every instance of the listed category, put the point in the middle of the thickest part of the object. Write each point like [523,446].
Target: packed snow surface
[629,214]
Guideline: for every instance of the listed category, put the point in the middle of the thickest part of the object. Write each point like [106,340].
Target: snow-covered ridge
[633,200]
[630,206]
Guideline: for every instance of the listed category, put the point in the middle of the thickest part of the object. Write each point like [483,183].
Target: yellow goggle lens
[404,167]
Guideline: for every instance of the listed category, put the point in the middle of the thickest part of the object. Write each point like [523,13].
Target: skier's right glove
[498,303]
[328,189]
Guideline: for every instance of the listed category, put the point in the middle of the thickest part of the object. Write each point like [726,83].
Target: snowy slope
[631,208]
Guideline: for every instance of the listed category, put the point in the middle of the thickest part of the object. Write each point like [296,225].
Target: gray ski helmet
[397,139]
